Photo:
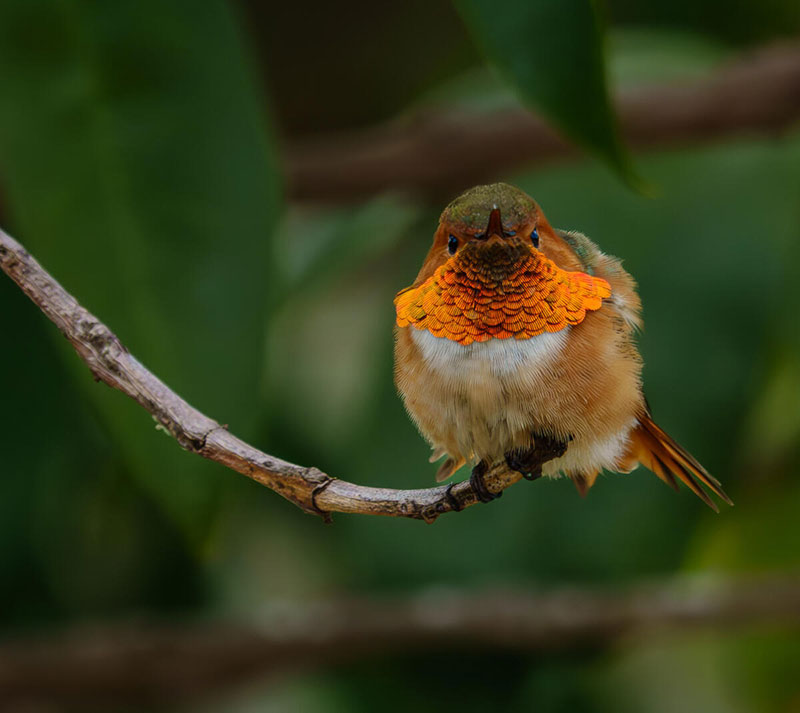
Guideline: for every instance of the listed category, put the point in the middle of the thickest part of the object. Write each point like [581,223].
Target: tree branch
[439,153]
[147,662]
[309,488]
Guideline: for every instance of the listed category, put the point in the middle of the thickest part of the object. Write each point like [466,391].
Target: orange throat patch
[499,291]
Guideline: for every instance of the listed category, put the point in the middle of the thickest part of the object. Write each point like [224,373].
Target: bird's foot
[529,461]
[479,486]
[452,500]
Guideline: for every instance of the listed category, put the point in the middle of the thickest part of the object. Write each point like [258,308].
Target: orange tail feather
[658,452]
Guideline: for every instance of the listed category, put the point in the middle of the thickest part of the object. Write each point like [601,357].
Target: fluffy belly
[489,397]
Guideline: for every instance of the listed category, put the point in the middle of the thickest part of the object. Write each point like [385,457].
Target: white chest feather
[496,359]
[488,394]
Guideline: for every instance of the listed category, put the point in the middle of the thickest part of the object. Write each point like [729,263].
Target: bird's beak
[495,226]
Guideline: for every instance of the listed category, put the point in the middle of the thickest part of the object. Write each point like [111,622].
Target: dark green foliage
[552,51]
[137,164]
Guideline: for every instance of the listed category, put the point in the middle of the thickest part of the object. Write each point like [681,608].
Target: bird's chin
[495,256]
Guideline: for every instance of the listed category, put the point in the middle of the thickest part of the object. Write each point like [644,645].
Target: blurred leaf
[133,152]
[553,52]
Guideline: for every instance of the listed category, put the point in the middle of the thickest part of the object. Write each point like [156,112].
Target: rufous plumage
[516,334]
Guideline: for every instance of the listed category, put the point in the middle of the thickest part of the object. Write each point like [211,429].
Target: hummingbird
[516,341]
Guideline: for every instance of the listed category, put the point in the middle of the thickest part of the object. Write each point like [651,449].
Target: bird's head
[497,269]
[493,229]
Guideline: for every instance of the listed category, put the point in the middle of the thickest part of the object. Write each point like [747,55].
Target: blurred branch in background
[308,488]
[439,153]
[141,663]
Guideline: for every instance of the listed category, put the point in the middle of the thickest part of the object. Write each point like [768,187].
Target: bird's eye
[535,238]
[452,244]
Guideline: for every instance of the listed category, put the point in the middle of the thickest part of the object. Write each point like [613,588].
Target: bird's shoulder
[624,295]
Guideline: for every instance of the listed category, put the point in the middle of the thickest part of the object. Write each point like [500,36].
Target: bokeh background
[145,160]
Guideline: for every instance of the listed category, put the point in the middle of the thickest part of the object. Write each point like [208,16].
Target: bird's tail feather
[657,451]
[446,469]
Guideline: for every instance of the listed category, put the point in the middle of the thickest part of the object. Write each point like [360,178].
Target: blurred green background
[141,150]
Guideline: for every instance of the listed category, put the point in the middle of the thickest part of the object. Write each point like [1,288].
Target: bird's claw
[529,461]
[479,486]
[526,462]
[452,500]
